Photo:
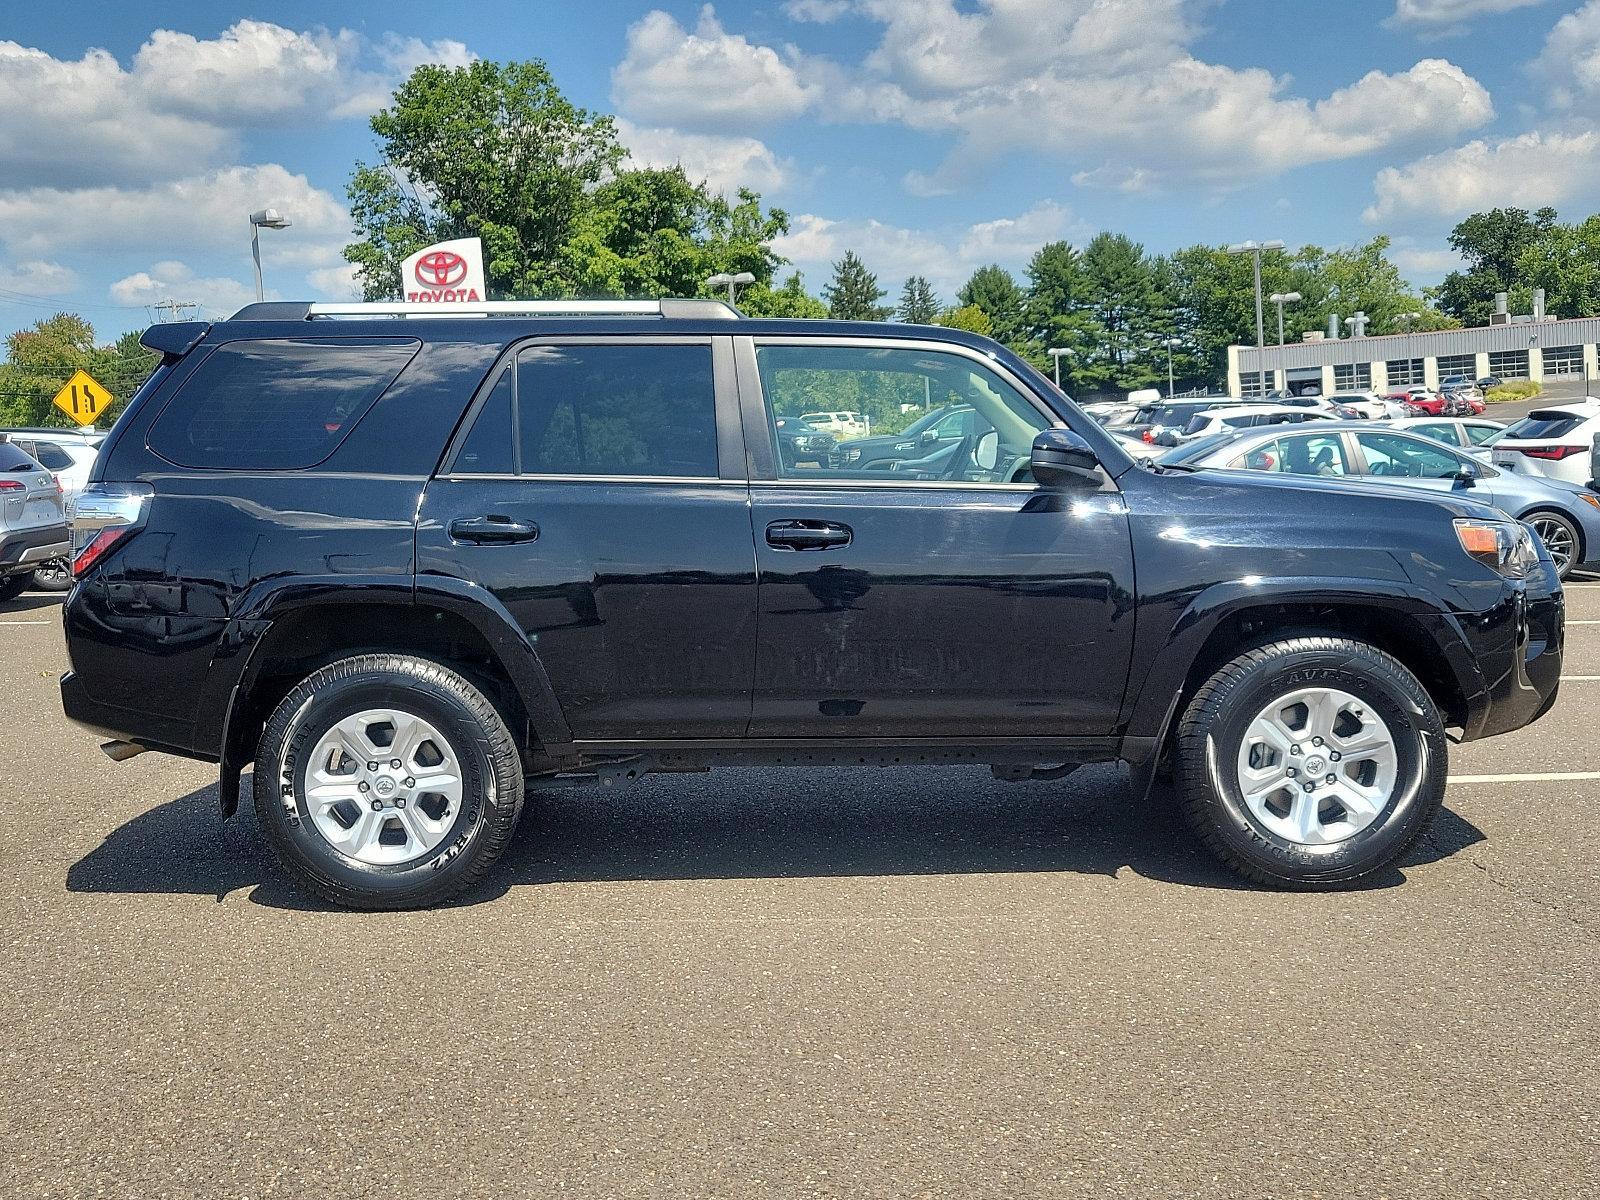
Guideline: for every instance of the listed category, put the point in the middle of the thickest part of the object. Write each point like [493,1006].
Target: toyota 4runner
[409,565]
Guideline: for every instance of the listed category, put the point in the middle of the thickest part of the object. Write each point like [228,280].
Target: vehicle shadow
[743,824]
[30,602]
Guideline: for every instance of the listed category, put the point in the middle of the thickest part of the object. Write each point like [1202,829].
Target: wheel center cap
[1316,764]
[384,786]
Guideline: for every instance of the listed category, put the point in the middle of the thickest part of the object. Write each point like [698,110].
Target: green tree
[1128,316]
[969,317]
[918,305]
[995,291]
[790,300]
[655,233]
[1056,312]
[488,150]
[853,293]
[41,358]
[1492,245]
[1566,264]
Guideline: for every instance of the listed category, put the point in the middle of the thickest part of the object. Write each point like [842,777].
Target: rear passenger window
[52,457]
[488,449]
[276,405]
[616,410]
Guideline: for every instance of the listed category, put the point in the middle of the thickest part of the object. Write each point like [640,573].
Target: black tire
[491,774]
[54,576]
[1569,527]
[1212,731]
[12,586]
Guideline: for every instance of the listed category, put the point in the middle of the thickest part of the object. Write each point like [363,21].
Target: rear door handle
[495,529]
[807,535]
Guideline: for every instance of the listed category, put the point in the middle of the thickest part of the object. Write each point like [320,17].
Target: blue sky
[931,136]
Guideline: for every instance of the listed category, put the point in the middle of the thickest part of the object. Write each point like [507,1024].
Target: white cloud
[1108,86]
[173,280]
[182,100]
[818,12]
[194,212]
[1449,15]
[725,162]
[1527,171]
[1425,264]
[40,278]
[1570,62]
[336,283]
[709,78]
[893,252]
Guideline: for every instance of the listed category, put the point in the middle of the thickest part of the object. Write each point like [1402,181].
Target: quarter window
[893,387]
[277,405]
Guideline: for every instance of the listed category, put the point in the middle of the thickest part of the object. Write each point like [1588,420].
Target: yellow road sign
[82,399]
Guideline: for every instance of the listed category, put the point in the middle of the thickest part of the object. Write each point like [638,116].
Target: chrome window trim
[695,480]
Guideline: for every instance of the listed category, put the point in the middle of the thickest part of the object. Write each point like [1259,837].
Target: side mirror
[986,454]
[1467,475]
[1062,459]
[930,436]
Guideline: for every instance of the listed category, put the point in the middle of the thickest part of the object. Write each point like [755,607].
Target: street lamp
[1280,299]
[1169,343]
[1056,353]
[1254,249]
[266,218]
[731,282]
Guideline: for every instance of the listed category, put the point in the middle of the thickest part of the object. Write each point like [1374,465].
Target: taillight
[105,515]
[11,485]
[1553,453]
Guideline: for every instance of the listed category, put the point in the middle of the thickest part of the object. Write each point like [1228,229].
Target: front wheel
[386,781]
[1311,763]
[1560,536]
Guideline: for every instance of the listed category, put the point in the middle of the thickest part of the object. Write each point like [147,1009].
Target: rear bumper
[119,724]
[27,548]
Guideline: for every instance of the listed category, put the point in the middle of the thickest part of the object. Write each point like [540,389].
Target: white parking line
[1540,777]
[1580,679]
[1583,622]
[27,622]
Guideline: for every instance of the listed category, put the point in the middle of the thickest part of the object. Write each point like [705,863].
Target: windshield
[1169,414]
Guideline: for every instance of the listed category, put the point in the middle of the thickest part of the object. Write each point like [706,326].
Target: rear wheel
[386,781]
[1560,536]
[1311,763]
[54,576]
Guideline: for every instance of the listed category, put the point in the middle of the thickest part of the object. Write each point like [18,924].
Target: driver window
[987,436]
[1406,457]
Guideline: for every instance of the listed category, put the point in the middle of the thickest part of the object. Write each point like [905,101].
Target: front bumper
[1518,646]
[27,548]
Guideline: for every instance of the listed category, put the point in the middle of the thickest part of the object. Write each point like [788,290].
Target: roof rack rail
[309,311]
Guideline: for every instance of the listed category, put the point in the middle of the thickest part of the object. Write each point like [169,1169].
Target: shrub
[1513,389]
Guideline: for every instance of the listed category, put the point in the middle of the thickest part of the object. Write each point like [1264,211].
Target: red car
[1421,403]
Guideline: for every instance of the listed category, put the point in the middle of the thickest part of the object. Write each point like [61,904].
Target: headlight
[1499,545]
[1590,498]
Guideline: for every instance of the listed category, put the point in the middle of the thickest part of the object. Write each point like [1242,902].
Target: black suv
[410,565]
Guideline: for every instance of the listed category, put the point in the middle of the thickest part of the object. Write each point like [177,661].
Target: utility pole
[1254,249]
[175,309]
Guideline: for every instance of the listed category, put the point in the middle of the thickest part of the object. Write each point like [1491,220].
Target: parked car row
[66,455]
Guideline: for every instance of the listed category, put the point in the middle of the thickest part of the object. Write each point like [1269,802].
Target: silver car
[1566,517]
[33,520]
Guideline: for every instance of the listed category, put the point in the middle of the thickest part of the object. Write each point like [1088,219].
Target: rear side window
[1540,426]
[277,405]
[53,456]
[616,410]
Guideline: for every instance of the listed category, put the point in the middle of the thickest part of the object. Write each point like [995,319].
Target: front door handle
[492,529]
[807,535]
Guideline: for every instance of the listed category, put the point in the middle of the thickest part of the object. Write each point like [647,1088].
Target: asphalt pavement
[917,982]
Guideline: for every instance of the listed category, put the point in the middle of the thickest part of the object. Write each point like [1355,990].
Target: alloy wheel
[1317,766]
[1557,539]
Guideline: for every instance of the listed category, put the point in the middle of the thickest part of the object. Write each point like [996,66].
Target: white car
[65,453]
[841,424]
[1245,416]
[1555,442]
[1367,406]
[1465,433]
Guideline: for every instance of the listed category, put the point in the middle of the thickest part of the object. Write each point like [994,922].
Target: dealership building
[1545,349]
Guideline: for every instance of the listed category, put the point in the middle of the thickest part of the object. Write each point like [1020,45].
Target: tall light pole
[1408,320]
[1280,299]
[1169,343]
[1254,249]
[731,282]
[1056,354]
[266,218]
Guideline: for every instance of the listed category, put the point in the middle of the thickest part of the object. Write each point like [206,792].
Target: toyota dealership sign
[445,273]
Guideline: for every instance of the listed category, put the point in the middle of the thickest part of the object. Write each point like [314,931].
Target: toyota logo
[441,268]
